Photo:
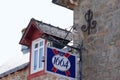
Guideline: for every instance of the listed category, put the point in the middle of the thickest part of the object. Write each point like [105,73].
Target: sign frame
[58,74]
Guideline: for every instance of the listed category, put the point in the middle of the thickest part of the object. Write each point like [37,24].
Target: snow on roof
[14,64]
[52,30]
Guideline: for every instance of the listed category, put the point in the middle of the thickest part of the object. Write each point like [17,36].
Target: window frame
[34,42]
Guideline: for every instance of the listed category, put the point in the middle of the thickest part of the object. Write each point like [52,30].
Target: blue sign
[60,63]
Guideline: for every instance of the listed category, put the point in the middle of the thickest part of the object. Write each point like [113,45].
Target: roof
[16,63]
[70,4]
[52,30]
[46,29]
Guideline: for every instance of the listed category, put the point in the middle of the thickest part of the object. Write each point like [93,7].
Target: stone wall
[101,49]
[19,75]
[23,75]
[49,77]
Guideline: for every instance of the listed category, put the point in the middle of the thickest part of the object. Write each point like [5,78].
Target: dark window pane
[36,45]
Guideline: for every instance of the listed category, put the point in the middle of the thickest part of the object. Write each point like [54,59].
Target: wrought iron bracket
[91,24]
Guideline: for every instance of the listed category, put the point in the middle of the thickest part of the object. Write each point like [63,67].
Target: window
[37,55]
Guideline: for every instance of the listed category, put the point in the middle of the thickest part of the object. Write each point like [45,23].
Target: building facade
[101,48]
[31,64]
[37,36]
[101,44]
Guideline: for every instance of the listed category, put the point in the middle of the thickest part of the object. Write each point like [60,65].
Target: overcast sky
[16,14]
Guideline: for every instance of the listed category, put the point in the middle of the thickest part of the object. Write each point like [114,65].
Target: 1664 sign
[60,63]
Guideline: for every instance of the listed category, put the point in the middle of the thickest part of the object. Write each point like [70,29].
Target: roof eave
[69,4]
[14,69]
[45,28]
